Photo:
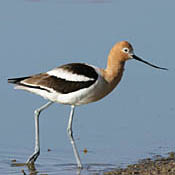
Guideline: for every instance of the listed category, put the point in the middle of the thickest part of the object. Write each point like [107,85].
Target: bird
[76,84]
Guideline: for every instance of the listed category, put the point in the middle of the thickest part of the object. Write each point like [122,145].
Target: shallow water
[51,162]
[54,162]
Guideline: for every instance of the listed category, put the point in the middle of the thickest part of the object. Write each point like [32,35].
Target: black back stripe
[34,87]
[59,85]
[63,86]
[81,69]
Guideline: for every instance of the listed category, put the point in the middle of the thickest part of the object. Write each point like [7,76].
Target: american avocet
[76,84]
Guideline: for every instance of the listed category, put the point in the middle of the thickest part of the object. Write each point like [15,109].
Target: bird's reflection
[32,168]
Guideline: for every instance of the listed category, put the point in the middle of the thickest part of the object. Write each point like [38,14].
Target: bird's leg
[70,134]
[36,152]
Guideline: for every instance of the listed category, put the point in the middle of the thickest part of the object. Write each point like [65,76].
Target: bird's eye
[125,50]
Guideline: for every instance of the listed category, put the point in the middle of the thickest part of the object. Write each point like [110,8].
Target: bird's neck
[114,70]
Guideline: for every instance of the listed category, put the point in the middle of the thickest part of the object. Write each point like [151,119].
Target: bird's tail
[16,80]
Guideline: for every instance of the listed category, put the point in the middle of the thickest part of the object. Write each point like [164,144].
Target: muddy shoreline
[159,166]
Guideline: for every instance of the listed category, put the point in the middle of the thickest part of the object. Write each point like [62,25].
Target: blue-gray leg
[70,134]
[36,153]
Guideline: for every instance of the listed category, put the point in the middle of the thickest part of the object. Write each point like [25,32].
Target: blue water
[62,161]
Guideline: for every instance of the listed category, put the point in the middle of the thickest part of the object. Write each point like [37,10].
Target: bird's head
[123,51]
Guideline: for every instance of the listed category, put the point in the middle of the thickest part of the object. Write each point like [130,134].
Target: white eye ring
[125,50]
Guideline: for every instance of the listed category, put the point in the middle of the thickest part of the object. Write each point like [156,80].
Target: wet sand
[157,166]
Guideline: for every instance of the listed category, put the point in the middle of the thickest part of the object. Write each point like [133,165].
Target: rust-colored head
[123,51]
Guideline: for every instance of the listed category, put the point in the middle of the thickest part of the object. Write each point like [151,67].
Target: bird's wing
[64,79]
